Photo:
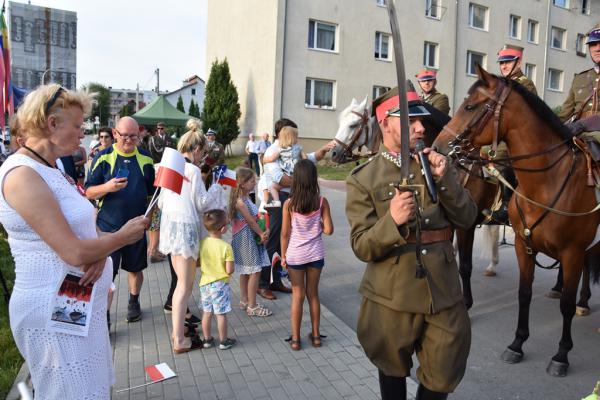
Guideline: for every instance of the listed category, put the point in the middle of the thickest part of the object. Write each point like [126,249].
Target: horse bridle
[363,126]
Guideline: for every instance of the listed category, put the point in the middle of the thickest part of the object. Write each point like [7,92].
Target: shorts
[216,297]
[313,264]
[131,258]
[441,342]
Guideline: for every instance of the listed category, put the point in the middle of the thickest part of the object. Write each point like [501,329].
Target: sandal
[258,311]
[295,344]
[315,340]
[196,344]
[243,305]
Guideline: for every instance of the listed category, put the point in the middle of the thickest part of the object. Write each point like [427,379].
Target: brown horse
[551,209]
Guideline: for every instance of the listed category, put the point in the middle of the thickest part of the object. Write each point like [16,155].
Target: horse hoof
[582,311]
[556,368]
[511,357]
[554,294]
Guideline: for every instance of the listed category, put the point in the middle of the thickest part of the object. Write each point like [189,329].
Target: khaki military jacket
[438,100]
[214,155]
[525,81]
[581,89]
[389,278]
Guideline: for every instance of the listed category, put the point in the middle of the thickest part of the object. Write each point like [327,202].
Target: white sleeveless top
[62,366]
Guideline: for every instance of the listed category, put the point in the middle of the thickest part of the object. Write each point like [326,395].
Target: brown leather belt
[428,237]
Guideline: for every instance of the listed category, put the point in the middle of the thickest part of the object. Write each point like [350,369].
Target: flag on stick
[225,176]
[159,372]
[171,171]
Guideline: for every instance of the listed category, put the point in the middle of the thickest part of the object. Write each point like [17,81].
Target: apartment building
[307,59]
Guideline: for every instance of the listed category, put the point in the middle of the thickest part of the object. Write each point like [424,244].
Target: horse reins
[362,127]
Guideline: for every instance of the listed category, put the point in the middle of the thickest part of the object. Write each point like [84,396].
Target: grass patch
[326,169]
[11,360]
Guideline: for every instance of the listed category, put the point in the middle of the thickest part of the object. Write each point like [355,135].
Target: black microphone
[419,146]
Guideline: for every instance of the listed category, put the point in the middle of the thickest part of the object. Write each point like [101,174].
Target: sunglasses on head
[53,99]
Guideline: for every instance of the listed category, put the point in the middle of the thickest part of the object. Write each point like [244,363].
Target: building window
[530,71]
[514,29]
[532,31]
[432,8]
[193,91]
[558,38]
[555,79]
[379,90]
[580,46]
[473,59]
[430,55]
[585,7]
[319,93]
[321,35]
[478,16]
[382,46]
[561,3]
[382,3]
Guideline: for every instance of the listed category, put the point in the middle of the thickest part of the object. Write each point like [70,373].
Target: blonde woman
[181,230]
[52,231]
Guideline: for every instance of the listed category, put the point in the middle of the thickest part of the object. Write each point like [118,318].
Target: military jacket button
[426,220]
[443,188]
[424,252]
[411,176]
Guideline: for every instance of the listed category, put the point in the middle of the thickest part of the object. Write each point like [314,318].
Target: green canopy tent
[160,110]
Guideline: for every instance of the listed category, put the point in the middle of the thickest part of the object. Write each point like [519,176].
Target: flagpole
[152,201]
[142,385]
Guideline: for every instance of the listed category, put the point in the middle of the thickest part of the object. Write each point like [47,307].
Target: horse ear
[482,74]
[353,103]
[363,104]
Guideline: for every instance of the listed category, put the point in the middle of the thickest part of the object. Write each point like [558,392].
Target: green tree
[221,104]
[101,103]
[128,109]
[180,104]
[194,110]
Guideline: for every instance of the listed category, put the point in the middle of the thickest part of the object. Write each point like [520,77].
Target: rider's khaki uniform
[401,314]
[438,100]
[580,98]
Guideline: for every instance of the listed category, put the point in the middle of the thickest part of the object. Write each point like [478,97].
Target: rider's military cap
[388,104]
[426,75]
[594,35]
[211,132]
[509,54]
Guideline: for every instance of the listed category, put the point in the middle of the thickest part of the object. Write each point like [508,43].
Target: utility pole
[157,81]
[137,98]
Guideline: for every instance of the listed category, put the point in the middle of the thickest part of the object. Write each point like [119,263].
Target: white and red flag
[225,176]
[171,171]
[159,372]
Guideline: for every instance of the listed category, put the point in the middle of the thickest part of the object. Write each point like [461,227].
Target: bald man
[121,179]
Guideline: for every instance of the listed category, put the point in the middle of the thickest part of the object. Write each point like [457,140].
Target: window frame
[470,53]
[381,3]
[563,40]
[430,6]
[485,18]
[378,44]
[535,31]
[580,46]
[533,75]
[517,19]
[560,77]
[586,7]
[426,53]
[315,36]
[311,105]
[380,90]
[565,6]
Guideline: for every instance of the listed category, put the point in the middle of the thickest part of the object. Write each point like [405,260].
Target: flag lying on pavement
[171,171]
[225,176]
[159,372]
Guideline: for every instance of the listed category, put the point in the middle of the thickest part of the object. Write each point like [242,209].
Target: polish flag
[228,177]
[159,372]
[171,171]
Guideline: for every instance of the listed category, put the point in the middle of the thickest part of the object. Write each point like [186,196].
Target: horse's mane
[538,105]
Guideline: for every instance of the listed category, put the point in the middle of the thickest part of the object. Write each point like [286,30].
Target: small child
[216,264]
[290,152]
[306,216]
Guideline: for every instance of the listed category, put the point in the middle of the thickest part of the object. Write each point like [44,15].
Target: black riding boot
[425,394]
[392,387]
[501,215]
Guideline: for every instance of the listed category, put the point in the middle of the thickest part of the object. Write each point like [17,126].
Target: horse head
[356,129]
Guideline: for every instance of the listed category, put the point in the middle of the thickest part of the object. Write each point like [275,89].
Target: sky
[120,43]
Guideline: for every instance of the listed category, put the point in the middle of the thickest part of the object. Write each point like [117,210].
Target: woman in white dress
[181,230]
[51,230]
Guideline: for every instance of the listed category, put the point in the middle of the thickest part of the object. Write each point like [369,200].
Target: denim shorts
[313,264]
[216,297]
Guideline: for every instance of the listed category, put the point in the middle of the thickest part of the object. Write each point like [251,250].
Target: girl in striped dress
[306,216]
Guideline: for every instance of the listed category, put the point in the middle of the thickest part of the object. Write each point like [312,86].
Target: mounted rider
[509,62]
[581,109]
[427,81]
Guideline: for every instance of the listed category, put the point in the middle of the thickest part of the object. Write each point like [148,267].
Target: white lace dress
[181,226]
[62,366]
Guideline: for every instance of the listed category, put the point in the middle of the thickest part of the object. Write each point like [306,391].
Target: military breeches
[441,341]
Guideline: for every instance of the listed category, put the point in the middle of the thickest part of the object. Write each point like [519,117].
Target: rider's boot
[425,394]
[501,215]
[392,387]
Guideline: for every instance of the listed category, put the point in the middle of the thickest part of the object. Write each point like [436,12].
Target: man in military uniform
[403,312]
[509,61]
[427,81]
[214,153]
[159,141]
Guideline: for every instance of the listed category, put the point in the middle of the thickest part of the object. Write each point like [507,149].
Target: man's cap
[160,124]
[211,132]
[594,35]
[509,54]
[426,75]
[388,104]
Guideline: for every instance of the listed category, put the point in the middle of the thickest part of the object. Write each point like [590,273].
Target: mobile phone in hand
[122,173]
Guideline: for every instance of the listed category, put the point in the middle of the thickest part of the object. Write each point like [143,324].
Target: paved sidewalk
[260,366]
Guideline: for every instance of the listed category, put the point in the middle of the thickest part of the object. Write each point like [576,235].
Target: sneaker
[193,320]
[134,312]
[168,309]
[273,204]
[227,344]
[208,343]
